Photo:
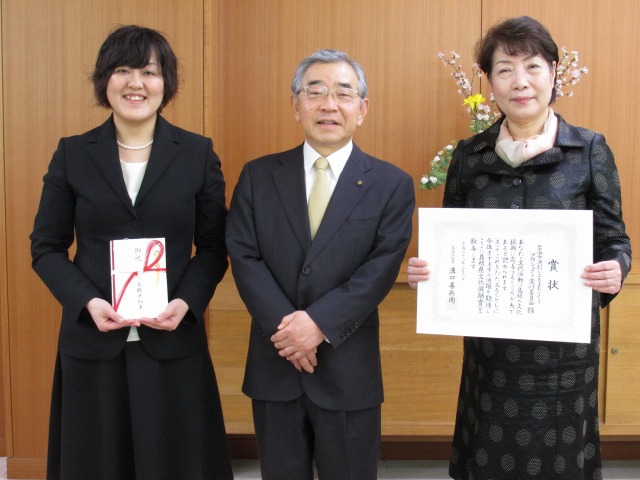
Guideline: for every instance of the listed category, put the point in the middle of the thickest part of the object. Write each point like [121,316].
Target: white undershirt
[133,174]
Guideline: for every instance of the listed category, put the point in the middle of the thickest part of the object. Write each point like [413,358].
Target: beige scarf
[515,152]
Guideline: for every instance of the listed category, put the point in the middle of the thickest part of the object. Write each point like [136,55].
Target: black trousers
[290,435]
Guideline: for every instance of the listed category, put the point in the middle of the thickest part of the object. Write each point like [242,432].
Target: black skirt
[528,409]
[136,418]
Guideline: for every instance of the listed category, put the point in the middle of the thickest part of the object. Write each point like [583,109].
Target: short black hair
[132,46]
[517,35]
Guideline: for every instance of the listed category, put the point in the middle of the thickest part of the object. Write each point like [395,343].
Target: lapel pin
[359,183]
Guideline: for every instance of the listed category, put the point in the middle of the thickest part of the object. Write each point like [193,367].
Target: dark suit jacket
[578,173]
[338,279]
[181,198]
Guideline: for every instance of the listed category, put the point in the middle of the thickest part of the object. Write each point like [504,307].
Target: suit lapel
[352,185]
[290,185]
[103,151]
[166,144]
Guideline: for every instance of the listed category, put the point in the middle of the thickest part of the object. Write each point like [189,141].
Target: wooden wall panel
[421,373]
[260,43]
[229,337]
[4,344]
[49,49]
[622,350]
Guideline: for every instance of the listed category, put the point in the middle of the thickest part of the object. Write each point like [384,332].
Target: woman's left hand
[603,277]
[170,318]
[417,271]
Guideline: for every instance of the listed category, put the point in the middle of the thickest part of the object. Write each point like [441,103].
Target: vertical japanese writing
[539,274]
[481,277]
[505,264]
[506,274]
[473,247]
[139,298]
[520,278]
[489,275]
[499,276]
[512,275]
[463,259]
[452,277]
[553,267]
[532,283]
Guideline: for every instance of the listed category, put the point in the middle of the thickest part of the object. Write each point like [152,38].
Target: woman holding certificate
[134,391]
[529,409]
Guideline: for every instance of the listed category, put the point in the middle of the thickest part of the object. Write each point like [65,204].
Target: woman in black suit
[133,398]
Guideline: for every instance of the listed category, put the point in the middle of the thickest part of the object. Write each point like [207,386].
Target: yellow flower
[474,101]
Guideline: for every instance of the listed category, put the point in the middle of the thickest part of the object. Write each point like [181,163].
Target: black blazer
[181,198]
[339,279]
[578,173]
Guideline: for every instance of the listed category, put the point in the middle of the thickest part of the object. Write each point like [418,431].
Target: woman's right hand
[106,318]
[417,271]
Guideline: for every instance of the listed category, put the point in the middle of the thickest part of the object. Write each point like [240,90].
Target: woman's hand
[106,318]
[417,271]
[170,318]
[603,277]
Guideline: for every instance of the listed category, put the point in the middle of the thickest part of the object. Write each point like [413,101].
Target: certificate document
[505,273]
[139,277]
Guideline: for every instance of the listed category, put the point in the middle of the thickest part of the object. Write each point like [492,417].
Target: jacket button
[517,181]
[306,271]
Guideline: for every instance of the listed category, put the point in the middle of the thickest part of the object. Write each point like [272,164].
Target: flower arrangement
[483,115]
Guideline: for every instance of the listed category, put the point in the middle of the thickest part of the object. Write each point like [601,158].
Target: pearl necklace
[128,147]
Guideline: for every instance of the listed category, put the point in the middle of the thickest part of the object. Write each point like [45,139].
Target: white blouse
[133,174]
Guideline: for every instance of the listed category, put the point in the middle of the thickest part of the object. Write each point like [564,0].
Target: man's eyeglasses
[320,92]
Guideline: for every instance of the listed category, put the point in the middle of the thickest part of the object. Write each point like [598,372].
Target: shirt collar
[337,160]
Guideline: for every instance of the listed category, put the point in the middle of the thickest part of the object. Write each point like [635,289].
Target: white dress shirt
[337,160]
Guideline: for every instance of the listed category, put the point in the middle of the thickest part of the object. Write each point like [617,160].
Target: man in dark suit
[313,368]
